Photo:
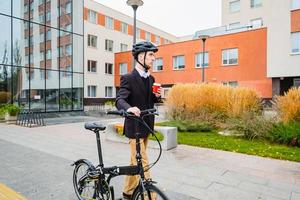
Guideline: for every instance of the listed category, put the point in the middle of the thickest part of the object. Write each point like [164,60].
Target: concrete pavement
[185,172]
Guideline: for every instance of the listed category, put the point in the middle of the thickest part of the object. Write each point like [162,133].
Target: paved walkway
[194,173]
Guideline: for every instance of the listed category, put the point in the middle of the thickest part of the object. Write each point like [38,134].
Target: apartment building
[41,64]
[257,46]
[235,59]
[282,20]
[107,32]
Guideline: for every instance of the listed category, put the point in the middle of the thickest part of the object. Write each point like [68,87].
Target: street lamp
[134,4]
[203,38]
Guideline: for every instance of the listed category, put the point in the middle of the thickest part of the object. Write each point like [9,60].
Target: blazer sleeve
[123,94]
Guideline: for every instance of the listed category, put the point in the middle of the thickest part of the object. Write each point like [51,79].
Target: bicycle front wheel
[151,192]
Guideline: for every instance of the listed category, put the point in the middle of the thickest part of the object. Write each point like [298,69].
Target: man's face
[150,57]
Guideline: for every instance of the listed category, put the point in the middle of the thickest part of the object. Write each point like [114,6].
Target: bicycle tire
[151,192]
[85,187]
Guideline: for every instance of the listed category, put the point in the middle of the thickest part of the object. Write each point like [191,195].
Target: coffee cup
[156,87]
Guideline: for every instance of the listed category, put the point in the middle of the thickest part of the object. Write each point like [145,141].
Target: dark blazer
[133,93]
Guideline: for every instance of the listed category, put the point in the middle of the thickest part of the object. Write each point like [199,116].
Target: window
[31,58]
[295,38]
[48,54]
[60,52]
[92,41]
[25,8]
[297,82]
[147,36]
[158,65]
[255,3]
[42,74]
[92,91]
[48,35]
[234,6]
[31,40]
[48,16]
[92,66]
[68,8]
[108,91]
[230,56]
[108,68]
[109,22]
[157,39]
[124,27]
[42,18]
[42,37]
[256,23]
[199,59]
[109,45]
[68,27]
[42,56]
[69,50]
[123,68]
[231,83]
[123,47]
[138,33]
[234,25]
[92,16]
[295,4]
[178,62]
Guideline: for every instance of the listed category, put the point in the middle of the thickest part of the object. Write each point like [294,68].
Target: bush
[210,103]
[188,126]
[250,125]
[285,133]
[289,106]
[12,109]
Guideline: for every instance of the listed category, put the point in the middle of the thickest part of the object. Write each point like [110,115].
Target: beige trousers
[131,182]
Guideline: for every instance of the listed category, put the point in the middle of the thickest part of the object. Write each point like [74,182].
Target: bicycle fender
[89,163]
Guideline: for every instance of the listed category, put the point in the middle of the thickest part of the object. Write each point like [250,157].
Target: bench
[169,133]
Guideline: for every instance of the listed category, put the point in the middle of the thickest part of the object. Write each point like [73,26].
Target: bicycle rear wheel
[85,187]
[151,192]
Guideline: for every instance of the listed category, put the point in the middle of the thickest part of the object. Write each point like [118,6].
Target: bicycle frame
[100,170]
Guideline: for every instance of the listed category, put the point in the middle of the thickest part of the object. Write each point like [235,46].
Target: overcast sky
[178,17]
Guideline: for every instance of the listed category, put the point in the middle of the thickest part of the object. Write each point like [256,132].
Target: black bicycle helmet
[143,47]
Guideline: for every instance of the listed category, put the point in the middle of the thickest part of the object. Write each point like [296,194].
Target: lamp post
[134,4]
[203,38]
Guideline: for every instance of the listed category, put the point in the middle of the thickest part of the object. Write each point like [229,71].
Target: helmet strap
[146,68]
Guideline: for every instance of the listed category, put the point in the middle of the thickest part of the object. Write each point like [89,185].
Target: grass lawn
[238,144]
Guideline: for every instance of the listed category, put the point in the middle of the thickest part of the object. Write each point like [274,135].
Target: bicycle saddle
[94,126]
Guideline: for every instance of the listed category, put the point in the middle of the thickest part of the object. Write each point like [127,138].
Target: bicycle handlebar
[125,113]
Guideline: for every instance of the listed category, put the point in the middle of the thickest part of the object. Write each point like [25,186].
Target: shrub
[110,103]
[188,126]
[12,109]
[250,125]
[210,103]
[286,133]
[289,106]
[2,111]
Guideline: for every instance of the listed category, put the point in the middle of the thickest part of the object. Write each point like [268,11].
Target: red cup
[156,87]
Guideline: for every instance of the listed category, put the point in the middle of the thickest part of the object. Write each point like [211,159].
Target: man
[135,94]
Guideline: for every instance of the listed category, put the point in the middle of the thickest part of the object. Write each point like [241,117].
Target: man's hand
[135,110]
[158,94]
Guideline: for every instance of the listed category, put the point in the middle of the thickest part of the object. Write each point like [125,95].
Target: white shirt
[143,73]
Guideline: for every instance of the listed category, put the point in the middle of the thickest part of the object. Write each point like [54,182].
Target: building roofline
[177,37]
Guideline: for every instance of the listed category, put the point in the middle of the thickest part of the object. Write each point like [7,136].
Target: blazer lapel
[139,81]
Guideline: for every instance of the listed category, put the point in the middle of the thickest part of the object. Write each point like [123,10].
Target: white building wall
[276,16]
[99,54]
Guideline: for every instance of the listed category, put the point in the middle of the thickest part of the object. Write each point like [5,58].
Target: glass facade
[41,54]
